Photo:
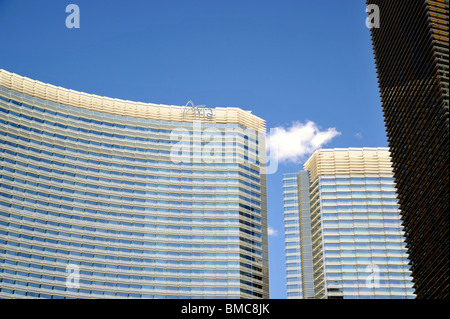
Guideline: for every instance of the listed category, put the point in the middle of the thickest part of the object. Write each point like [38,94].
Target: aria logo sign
[199,110]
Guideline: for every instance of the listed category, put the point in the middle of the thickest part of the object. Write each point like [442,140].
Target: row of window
[232,135]
[176,159]
[148,249]
[207,293]
[349,255]
[373,208]
[376,233]
[49,160]
[128,272]
[363,215]
[158,216]
[10,183]
[92,155]
[124,264]
[348,190]
[124,281]
[55,201]
[357,194]
[330,259]
[127,176]
[114,122]
[158,280]
[32,196]
[130,236]
[134,244]
[135,289]
[371,223]
[135,185]
[365,239]
[176,169]
[367,201]
[327,180]
[30,251]
[37,232]
[149,214]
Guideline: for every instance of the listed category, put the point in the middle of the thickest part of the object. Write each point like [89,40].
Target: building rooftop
[92,102]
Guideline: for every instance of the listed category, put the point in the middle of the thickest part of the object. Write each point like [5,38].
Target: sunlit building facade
[105,198]
[343,228]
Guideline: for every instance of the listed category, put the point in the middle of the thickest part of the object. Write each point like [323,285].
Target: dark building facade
[411,52]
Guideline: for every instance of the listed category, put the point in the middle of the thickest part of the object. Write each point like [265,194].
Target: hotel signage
[198,110]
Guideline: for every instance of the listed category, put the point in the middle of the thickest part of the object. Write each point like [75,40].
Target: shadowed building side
[411,54]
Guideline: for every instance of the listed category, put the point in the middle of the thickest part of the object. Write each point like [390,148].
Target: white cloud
[272,232]
[359,135]
[295,142]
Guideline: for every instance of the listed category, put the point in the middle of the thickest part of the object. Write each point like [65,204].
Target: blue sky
[287,61]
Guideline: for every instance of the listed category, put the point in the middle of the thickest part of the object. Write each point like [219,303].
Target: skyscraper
[298,246]
[411,54]
[105,198]
[343,231]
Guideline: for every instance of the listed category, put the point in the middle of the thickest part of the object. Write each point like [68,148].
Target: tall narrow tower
[411,53]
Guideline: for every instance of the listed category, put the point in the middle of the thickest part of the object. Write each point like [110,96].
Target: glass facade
[292,237]
[357,240]
[298,245]
[92,204]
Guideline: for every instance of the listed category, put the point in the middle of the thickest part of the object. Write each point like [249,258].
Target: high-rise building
[343,231]
[298,246]
[106,198]
[411,53]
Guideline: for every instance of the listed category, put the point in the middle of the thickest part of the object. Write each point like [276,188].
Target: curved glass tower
[105,198]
